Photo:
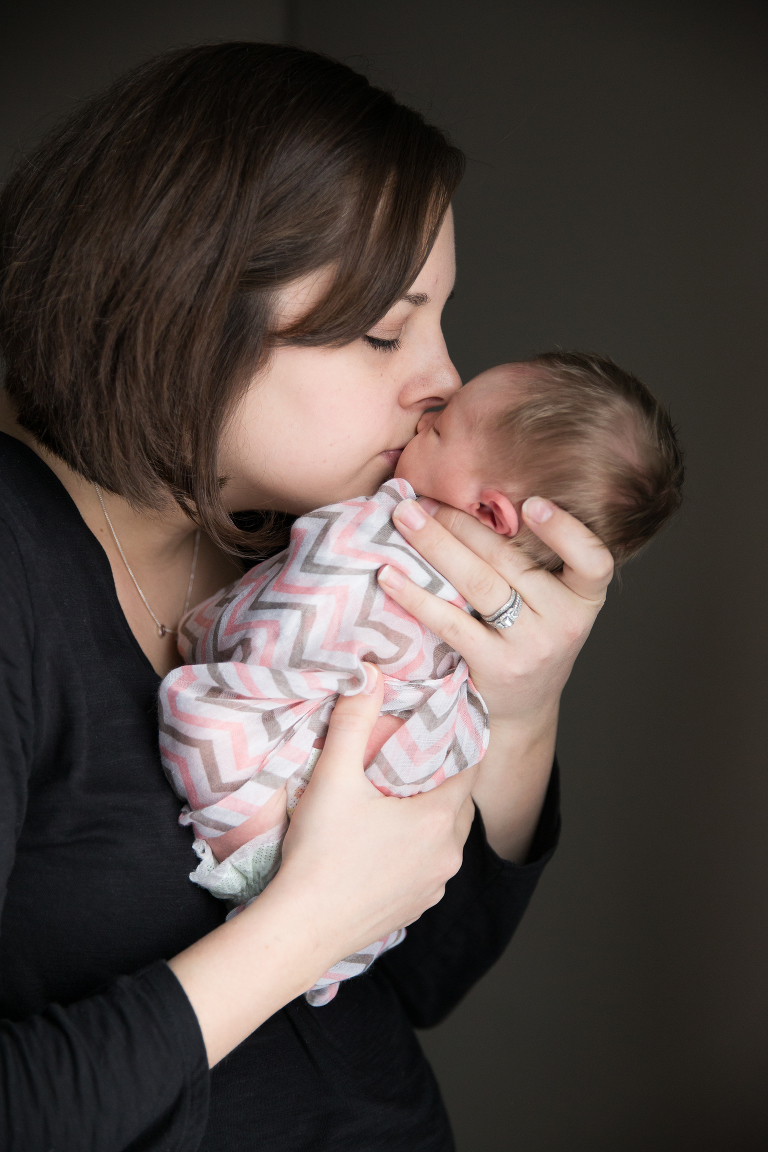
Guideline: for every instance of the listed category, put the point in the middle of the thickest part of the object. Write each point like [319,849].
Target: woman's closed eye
[383,345]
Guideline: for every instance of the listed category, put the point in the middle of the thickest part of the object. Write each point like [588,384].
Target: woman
[221,291]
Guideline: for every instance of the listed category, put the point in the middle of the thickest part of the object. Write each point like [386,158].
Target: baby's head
[572,427]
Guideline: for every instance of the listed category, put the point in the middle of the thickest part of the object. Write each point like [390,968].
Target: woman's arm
[356,865]
[130,1061]
[457,941]
[520,671]
[111,1069]
[511,785]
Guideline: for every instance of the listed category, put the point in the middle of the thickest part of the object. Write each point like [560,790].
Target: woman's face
[320,425]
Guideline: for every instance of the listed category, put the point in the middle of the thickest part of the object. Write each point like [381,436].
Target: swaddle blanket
[266,660]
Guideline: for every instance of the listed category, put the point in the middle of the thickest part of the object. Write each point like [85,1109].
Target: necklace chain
[162,630]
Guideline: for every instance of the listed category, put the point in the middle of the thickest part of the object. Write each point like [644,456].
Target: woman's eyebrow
[419,298]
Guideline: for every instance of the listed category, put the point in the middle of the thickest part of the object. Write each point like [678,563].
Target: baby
[243,722]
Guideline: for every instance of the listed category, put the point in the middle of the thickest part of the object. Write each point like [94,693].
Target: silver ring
[505,616]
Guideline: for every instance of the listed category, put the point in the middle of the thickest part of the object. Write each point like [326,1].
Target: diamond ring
[505,616]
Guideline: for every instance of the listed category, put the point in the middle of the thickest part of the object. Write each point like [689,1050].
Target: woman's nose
[437,381]
[446,376]
[450,381]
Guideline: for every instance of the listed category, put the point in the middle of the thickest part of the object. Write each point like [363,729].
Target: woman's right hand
[356,865]
[366,862]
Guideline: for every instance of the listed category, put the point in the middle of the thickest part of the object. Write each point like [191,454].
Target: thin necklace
[162,630]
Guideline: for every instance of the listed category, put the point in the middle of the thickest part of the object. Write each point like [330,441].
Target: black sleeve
[116,1071]
[119,1070]
[455,943]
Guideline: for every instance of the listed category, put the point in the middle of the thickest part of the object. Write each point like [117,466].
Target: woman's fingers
[484,543]
[361,861]
[480,581]
[515,667]
[351,724]
[457,799]
[460,630]
[588,563]
[482,564]
[445,816]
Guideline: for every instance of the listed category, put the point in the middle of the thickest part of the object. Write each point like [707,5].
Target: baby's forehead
[485,391]
[501,376]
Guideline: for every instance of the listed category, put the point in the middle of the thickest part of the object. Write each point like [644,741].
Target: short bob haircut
[144,240]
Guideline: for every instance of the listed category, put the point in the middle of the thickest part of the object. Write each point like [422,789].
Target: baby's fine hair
[591,437]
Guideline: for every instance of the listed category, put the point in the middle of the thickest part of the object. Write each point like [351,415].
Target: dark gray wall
[616,200]
[54,52]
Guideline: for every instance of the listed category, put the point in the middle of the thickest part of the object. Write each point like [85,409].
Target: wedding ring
[505,616]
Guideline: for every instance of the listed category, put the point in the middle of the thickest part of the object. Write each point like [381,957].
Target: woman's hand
[366,862]
[520,671]
[356,865]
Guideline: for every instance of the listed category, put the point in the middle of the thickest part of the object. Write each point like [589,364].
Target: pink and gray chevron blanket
[243,722]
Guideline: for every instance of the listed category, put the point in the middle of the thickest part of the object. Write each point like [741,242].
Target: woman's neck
[158,545]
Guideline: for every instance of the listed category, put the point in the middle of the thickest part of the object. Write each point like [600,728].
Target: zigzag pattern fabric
[266,659]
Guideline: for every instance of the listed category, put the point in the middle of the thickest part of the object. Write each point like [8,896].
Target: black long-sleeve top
[100,1050]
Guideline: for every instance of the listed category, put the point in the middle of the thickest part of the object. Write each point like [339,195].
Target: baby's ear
[495,510]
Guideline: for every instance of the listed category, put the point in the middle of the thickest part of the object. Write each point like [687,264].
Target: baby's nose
[428,418]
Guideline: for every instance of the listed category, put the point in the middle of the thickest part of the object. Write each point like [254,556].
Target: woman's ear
[494,509]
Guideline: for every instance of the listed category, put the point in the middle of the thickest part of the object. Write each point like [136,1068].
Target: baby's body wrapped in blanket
[246,717]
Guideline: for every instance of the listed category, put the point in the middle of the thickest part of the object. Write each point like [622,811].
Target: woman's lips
[392,455]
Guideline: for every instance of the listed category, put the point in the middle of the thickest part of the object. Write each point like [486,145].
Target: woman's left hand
[520,671]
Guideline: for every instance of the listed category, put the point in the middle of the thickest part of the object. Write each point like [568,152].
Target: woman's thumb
[351,724]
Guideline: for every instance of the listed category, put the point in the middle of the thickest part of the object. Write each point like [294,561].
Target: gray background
[54,52]
[615,200]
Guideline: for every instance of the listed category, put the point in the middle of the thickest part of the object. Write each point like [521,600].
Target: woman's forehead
[439,271]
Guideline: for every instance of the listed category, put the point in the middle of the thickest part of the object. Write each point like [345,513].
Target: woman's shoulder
[33,501]
[41,529]
[56,586]
[18,483]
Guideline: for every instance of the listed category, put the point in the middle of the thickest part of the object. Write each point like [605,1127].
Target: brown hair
[144,240]
[591,437]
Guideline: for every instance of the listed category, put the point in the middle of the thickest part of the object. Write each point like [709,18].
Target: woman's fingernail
[371,680]
[428,505]
[537,509]
[390,577]
[409,513]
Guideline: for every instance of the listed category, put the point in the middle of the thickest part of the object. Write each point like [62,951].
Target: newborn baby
[243,722]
